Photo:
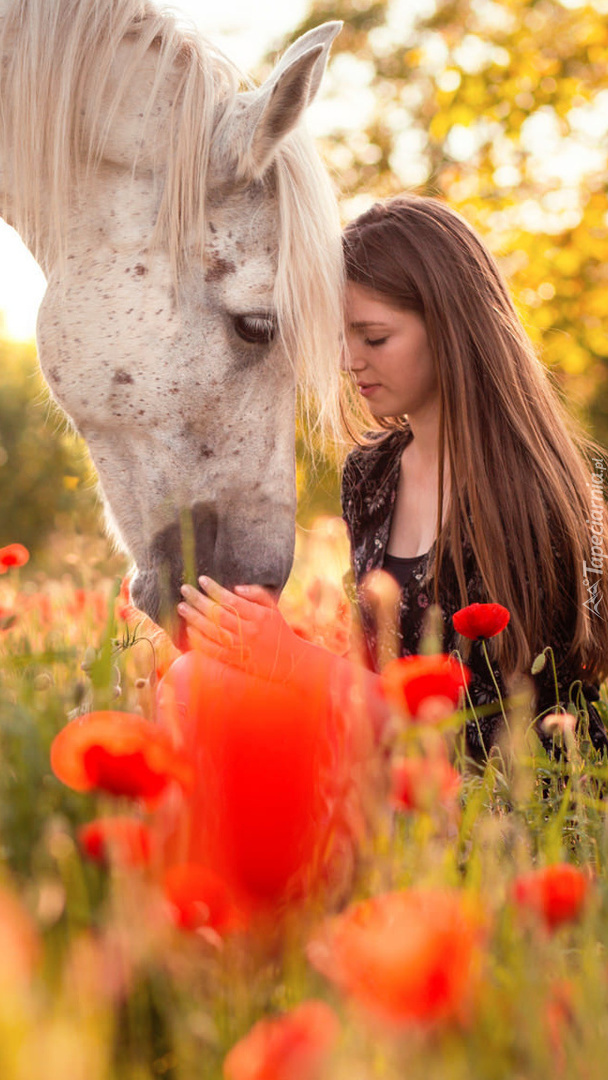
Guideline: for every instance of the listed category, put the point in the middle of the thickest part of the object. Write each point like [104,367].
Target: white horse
[190,240]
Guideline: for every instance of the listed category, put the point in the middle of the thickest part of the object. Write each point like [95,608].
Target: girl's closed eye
[376,341]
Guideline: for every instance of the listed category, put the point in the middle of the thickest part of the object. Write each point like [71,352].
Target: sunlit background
[486,968]
[347,105]
[499,108]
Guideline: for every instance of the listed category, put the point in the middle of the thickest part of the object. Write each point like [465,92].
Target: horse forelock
[62,95]
[65,114]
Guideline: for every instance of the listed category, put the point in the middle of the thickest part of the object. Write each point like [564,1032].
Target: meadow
[467,937]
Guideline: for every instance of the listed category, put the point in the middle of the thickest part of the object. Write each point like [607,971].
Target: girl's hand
[243,629]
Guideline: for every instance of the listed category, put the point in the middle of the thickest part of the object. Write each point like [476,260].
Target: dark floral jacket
[369,489]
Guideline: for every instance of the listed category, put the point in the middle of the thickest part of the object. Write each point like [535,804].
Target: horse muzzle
[231,552]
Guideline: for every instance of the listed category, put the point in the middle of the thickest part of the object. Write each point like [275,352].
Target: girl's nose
[348,357]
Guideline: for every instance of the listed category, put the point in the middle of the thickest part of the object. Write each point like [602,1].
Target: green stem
[550,651]
[456,654]
[496,687]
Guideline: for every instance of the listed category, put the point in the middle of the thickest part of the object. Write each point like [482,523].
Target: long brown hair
[524,493]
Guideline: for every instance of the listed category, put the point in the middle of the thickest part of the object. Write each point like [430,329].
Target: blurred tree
[46,480]
[502,109]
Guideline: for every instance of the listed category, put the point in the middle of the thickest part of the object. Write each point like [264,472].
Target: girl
[474,484]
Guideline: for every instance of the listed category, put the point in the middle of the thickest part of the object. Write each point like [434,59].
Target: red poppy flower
[120,753]
[13,555]
[119,839]
[407,957]
[294,1046]
[279,767]
[411,681]
[199,898]
[480,620]
[557,894]
[420,783]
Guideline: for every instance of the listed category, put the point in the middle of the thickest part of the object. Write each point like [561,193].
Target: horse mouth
[201,544]
[180,552]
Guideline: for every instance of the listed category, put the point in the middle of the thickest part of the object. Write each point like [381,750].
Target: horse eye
[256,329]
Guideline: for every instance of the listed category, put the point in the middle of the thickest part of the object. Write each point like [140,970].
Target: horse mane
[55,122]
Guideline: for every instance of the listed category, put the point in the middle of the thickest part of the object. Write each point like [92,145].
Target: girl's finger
[205,626]
[212,609]
[229,600]
[257,594]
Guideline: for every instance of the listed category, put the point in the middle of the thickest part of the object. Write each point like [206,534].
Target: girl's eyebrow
[364,325]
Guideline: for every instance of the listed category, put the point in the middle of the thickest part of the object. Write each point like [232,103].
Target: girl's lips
[367,390]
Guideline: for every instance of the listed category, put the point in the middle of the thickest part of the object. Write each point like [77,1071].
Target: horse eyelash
[255,329]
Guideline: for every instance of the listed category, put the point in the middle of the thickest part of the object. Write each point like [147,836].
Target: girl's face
[387,353]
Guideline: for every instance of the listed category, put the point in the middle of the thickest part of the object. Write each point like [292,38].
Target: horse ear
[321,35]
[274,109]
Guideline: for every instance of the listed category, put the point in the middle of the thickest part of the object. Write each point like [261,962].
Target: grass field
[452,953]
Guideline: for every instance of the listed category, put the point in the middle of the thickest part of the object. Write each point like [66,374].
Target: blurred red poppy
[559,1016]
[407,957]
[120,753]
[41,604]
[295,1046]
[121,839]
[79,603]
[13,555]
[481,620]
[281,767]
[19,944]
[199,898]
[124,608]
[421,783]
[556,894]
[411,681]
[46,608]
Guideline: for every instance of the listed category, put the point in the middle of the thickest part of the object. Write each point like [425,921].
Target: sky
[245,31]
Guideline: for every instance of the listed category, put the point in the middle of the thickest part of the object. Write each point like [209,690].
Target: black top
[369,489]
[401,568]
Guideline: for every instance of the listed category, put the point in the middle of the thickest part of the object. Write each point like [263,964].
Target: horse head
[190,241]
